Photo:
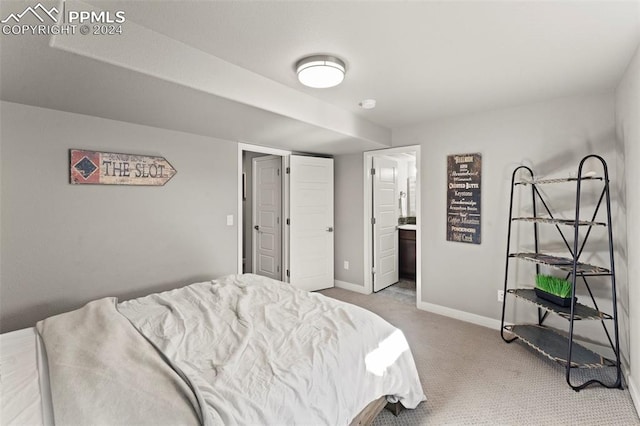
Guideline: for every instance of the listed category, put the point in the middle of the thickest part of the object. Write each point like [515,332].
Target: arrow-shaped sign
[108,168]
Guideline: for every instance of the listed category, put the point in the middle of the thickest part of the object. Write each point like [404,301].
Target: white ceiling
[419,60]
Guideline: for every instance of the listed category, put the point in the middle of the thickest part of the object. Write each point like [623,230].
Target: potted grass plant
[553,289]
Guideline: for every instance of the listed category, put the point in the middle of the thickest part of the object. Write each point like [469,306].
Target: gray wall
[63,245]
[628,133]
[551,137]
[349,218]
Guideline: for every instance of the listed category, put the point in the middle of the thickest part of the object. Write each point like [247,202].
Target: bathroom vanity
[407,250]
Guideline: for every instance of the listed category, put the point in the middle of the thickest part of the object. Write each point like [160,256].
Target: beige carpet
[471,377]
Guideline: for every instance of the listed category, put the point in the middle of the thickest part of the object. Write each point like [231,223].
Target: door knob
[330,229]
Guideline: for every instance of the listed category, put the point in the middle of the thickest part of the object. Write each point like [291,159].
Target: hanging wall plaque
[463,198]
[108,168]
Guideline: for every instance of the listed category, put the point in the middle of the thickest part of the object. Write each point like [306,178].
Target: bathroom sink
[407,227]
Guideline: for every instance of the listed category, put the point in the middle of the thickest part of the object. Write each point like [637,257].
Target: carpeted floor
[471,377]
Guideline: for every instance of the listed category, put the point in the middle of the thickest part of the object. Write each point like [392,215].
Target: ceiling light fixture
[320,71]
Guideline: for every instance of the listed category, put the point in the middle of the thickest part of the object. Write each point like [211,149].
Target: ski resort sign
[108,168]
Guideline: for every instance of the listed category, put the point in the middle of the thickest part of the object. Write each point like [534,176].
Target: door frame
[368,214]
[242,147]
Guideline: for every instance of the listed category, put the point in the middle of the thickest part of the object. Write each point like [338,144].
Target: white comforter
[262,352]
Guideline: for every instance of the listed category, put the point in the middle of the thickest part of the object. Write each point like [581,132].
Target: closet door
[311,222]
[267,208]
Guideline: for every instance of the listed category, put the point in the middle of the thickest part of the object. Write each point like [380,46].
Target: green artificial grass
[553,285]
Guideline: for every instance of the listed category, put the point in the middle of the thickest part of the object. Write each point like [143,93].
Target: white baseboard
[351,287]
[634,390]
[460,315]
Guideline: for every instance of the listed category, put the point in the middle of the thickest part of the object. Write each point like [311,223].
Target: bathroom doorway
[392,231]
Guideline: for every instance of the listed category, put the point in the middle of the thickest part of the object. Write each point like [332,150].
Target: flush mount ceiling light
[320,71]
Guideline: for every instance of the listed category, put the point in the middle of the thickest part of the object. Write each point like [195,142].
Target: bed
[242,350]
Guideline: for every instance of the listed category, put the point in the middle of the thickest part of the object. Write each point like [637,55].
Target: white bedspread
[262,352]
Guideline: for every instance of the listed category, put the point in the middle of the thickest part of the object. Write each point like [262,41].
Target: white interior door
[267,214]
[385,228]
[311,222]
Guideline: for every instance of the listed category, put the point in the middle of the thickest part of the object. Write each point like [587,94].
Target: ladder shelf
[561,346]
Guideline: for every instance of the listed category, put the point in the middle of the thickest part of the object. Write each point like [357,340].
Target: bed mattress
[24,380]
[255,350]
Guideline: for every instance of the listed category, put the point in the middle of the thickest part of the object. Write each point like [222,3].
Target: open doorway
[392,229]
[301,222]
[262,207]
[262,214]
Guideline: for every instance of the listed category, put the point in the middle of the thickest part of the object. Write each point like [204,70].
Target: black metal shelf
[580,312]
[558,347]
[562,263]
[553,345]
[554,221]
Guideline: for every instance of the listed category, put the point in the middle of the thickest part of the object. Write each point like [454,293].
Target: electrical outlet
[346,264]
[500,295]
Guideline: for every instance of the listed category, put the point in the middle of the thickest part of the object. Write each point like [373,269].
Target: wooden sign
[108,168]
[463,198]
